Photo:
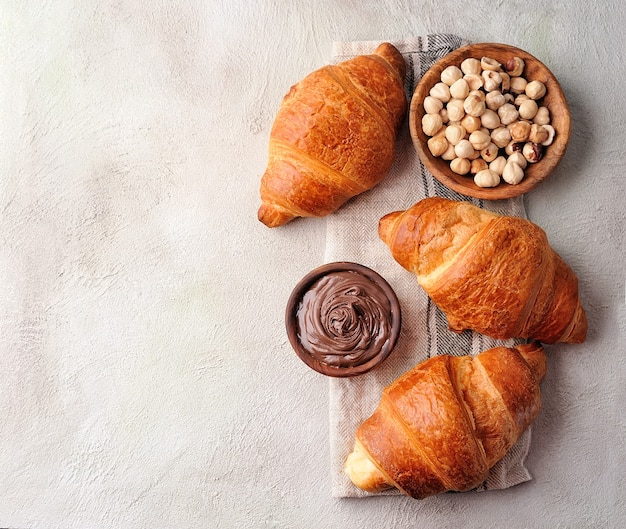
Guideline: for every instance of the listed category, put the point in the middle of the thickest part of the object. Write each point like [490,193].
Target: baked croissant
[333,136]
[442,426]
[493,274]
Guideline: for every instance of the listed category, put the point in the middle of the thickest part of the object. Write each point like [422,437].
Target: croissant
[442,426]
[493,274]
[333,136]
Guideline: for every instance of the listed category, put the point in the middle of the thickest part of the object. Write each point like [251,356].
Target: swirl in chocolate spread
[344,319]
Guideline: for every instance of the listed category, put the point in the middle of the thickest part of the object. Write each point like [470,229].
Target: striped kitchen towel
[352,235]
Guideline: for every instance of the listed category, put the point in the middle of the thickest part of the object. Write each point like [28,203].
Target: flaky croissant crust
[445,423]
[493,274]
[333,136]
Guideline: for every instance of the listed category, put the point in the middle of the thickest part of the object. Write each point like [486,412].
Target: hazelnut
[501,136]
[455,109]
[520,130]
[508,113]
[451,74]
[489,64]
[514,66]
[474,81]
[473,105]
[497,165]
[478,165]
[471,123]
[432,105]
[459,89]
[512,173]
[532,152]
[491,80]
[489,153]
[441,91]
[528,109]
[431,123]
[490,119]
[479,139]
[494,100]
[518,85]
[464,149]
[455,133]
[460,166]
[513,146]
[487,178]
[538,133]
[438,144]
[535,89]
[471,66]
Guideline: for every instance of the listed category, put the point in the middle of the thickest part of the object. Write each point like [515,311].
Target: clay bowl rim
[554,100]
[306,283]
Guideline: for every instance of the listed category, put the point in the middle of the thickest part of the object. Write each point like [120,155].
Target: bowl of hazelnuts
[489,121]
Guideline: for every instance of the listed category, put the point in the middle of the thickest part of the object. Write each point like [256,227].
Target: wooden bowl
[353,295]
[554,100]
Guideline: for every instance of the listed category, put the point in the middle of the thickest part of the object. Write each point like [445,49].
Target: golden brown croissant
[493,274]
[333,136]
[445,423]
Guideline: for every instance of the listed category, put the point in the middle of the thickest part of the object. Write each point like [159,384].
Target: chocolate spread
[344,319]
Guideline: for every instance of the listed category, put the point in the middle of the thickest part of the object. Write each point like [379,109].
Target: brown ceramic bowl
[554,100]
[343,319]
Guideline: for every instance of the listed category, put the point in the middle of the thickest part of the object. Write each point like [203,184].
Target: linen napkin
[352,235]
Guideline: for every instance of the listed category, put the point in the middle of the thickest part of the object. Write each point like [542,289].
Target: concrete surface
[146,378]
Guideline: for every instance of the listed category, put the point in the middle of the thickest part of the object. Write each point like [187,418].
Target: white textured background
[145,375]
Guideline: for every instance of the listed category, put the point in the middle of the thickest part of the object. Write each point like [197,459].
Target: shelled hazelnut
[431,123]
[497,166]
[533,152]
[455,109]
[518,158]
[512,173]
[515,66]
[455,133]
[432,105]
[487,178]
[451,74]
[487,120]
[460,165]
[478,165]
[438,144]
